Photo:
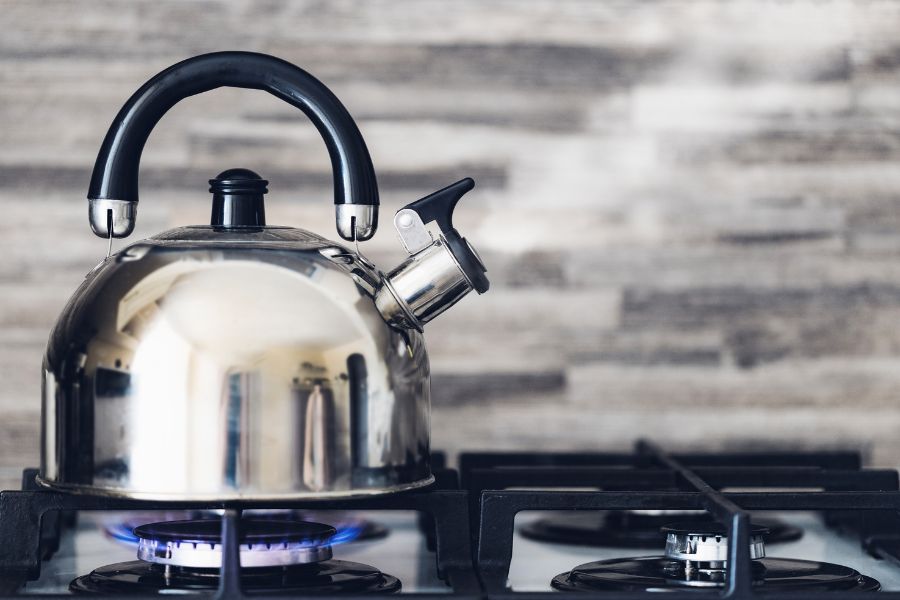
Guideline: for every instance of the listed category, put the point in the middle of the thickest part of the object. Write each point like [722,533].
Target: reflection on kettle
[315,433]
[236,414]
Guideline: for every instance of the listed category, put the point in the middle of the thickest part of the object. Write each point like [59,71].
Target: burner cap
[263,542]
[707,543]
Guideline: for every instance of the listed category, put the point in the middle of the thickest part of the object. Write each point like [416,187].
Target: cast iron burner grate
[864,501]
[494,487]
[33,520]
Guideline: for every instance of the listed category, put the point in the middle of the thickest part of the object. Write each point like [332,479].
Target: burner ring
[263,543]
[707,543]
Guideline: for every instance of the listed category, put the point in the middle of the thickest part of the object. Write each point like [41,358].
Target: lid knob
[238,199]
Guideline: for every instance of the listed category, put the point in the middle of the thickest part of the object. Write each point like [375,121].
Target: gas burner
[633,529]
[706,546]
[264,543]
[275,554]
[696,558]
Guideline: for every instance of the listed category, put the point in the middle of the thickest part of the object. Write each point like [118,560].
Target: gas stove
[789,525]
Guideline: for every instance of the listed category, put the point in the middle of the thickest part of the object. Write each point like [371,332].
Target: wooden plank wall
[690,210]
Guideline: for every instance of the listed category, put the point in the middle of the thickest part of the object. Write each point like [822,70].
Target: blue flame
[347,530]
[122,531]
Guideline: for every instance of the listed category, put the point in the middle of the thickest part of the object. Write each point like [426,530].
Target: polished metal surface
[356,222]
[209,364]
[116,215]
[423,286]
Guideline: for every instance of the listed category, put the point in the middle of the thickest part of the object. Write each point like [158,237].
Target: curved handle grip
[113,193]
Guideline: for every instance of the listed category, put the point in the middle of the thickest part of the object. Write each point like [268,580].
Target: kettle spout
[442,266]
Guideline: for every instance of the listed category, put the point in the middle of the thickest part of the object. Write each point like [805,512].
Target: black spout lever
[113,192]
[438,208]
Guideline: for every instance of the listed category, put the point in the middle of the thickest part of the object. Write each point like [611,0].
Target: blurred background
[690,211]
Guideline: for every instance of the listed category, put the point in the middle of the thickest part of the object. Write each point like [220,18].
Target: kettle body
[203,364]
[239,361]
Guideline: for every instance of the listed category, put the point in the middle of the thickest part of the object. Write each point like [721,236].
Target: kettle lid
[238,219]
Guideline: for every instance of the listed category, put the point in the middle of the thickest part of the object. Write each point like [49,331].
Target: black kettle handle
[113,193]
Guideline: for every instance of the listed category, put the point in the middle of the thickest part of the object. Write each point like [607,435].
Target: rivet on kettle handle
[440,270]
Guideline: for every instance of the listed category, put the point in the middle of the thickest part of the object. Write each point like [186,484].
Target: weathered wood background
[690,210]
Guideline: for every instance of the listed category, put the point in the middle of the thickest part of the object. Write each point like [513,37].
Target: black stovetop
[468,515]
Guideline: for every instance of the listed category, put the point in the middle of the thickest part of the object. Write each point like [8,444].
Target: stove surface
[470,524]
[403,553]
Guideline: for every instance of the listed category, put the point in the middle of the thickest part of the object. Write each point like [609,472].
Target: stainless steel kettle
[244,361]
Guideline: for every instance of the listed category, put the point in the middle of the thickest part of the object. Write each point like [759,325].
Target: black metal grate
[652,479]
[474,554]
[31,523]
